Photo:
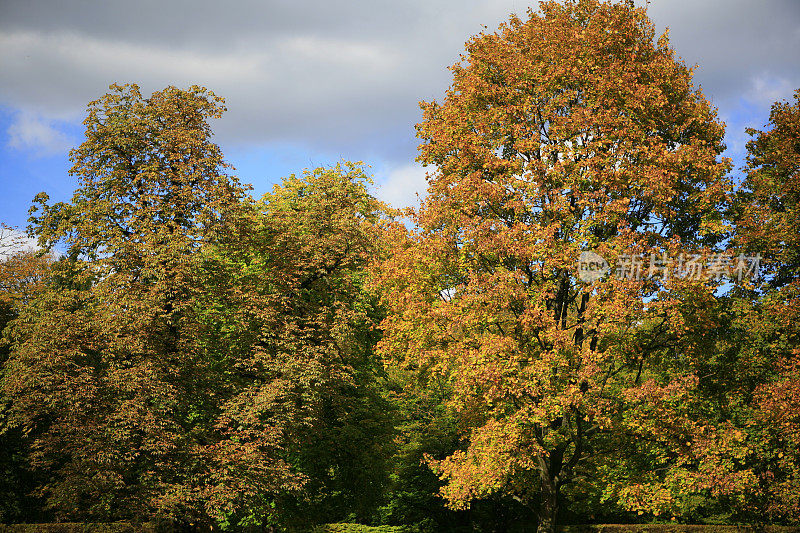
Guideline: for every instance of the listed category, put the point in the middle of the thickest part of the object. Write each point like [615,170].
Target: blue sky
[308,83]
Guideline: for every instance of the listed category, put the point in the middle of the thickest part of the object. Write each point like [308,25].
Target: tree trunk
[548,506]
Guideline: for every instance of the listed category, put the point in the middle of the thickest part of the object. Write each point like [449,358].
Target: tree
[294,327]
[23,275]
[767,217]
[427,428]
[105,372]
[767,209]
[569,132]
[196,356]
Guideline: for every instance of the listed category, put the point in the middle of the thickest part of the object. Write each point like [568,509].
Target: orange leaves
[767,216]
[768,207]
[22,276]
[566,132]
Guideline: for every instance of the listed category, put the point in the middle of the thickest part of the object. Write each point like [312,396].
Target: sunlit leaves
[571,130]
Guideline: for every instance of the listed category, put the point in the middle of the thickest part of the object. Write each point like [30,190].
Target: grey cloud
[734,41]
[325,74]
[333,75]
[209,25]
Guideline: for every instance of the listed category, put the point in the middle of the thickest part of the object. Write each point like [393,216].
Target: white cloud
[766,89]
[13,240]
[37,134]
[402,185]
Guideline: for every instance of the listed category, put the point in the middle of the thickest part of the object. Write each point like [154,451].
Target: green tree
[572,131]
[294,328]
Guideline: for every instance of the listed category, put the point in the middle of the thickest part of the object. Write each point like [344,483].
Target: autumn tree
[575,130]
[197,356]
[24,274]
[767,217]
[105,371]
[767,209]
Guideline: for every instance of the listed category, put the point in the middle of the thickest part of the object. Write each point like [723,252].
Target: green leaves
[297,326]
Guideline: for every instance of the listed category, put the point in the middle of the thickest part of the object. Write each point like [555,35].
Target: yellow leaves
[484,468]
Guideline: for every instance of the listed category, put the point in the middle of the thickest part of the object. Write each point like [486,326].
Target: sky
[308,83]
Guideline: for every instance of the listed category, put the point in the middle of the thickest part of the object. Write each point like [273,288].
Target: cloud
[402,185]
[38,135]
[338,77]
[13,240]
[766,89]
[731,41]
[331,93]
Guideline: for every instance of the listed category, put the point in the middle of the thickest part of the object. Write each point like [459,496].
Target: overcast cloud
[335,76]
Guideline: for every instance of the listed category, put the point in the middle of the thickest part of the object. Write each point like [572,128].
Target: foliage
[768,207]
[426,428]
[293,330]
[196,356]
[23,275]
[114,527]
[197,359]
[105,372]
[767,214]
[358,528]
[672,528]
[568,132]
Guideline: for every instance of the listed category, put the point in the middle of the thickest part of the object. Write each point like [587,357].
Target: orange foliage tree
[767,216]
[575,130]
